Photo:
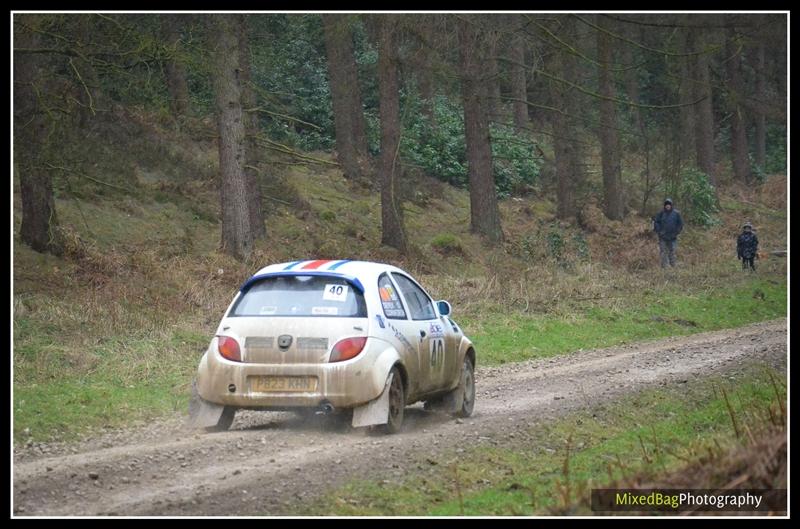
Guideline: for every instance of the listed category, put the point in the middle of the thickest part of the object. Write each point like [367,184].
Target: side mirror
[444,308]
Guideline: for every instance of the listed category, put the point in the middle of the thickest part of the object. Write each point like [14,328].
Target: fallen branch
[276,200]
[68,170]
[285,116]
[275,146]
[300,163]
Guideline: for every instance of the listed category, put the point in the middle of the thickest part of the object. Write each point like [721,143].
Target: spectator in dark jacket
[668,224]
[747,247]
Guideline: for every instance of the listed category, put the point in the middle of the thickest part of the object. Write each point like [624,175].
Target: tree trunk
[519,83]
[39,228]
[237,232]
[704,111]
[492,76]
[686,112]
[251,128]
[609,139]
[348,113]
[484,212]
[177,86]
[739,149]
[39,221]
[760,117]
[632,82]
[565,192]
[391,214]
[566,150]
[424,70]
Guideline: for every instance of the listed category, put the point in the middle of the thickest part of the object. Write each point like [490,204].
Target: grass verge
[501,338]
[634,440]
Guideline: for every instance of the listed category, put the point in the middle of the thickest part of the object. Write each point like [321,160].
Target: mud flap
[203,414]
[376,411]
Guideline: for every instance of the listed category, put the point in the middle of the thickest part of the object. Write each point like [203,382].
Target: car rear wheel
[467,389]
[397,404]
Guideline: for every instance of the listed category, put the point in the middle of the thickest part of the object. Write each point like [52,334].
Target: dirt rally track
[270,462]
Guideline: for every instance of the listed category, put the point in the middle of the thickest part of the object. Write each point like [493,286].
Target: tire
[467,388]
[225,420]
[397,404]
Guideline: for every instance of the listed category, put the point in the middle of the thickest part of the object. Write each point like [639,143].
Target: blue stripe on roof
[292,265]
[337,265]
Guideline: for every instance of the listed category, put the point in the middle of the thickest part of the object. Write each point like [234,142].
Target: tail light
[229,348]
[347,348]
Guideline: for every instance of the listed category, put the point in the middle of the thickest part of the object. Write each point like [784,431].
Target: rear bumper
[343,384]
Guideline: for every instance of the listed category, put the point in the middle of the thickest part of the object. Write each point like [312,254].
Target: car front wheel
[467,389]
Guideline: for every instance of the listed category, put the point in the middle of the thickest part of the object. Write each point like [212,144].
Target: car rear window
[309,296]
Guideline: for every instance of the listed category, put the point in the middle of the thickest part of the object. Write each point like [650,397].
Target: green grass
[446,243]
[74,407]
[503,338]
[111,383]
[654,432]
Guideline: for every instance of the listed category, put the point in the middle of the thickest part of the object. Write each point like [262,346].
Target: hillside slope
[112,331]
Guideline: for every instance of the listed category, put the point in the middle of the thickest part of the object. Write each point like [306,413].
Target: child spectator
[747,247]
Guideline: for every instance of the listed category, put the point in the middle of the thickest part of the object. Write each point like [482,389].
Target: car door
[430,333]
[402,331]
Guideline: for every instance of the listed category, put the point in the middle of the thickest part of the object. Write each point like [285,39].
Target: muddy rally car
[328,337]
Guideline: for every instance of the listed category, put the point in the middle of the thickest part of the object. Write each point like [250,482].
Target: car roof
[360,271]
[339,266]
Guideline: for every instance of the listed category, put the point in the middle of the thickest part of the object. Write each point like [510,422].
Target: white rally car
[332,335]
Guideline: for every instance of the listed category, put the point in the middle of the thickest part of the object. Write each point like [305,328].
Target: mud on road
[270,462]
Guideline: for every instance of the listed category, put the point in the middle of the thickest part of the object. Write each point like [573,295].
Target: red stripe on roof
[316,264]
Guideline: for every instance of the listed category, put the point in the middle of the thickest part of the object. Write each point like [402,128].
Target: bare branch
[575,51]
[617,100]
[85,88]
[712,49]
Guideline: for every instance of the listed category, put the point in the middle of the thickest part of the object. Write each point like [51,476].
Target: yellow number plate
[268,384]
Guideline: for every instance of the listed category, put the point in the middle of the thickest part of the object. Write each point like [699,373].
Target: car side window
[419,304]
[392,306]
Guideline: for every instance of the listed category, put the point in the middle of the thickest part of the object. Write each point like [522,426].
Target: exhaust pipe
[328,408]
